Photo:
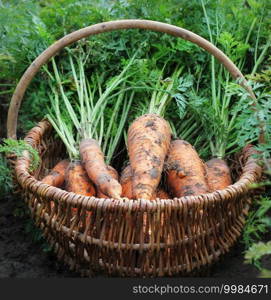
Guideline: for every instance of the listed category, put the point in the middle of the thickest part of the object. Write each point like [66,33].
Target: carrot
[77,181]
[218,174]
[114,174]
[126,182]
[93,161]
[56,176]
[162,194]
[148,143]
[186,171]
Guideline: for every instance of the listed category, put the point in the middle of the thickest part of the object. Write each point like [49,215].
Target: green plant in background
[264,76]
[23,39]
[18,147]
[189,126]
[219,110]
[38,24]
[252,116]
[262,81]
[5,178]
[255,253]
[257,222]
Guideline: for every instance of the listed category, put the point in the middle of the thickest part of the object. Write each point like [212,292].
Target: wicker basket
[178,236]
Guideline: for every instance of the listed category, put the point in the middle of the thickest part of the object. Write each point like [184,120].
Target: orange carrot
[93,161]
[186,171]
[56,176]
[162,194]
[218,174]
[126,182]
[114,174]
[148,143]
[77,181]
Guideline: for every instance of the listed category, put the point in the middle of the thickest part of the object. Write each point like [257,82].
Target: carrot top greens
[82,114]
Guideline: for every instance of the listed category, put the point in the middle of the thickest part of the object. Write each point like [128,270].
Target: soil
[22,256]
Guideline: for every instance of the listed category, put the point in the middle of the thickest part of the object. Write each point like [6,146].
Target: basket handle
[106,27]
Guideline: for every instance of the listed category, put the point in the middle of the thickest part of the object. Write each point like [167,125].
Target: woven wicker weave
[178,235]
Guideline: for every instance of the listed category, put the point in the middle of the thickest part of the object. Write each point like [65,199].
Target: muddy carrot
[218,174]
[77,181]
[114,174]
[93,161]
[126,182]
[162,194]
[56,176]
[186,173]
[148,143]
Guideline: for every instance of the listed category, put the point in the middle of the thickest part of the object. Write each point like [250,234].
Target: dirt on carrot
[162,194]
[93,161]
[218,174]
[186,173]
[126,182]
[77,181]
[113,172]
[56,176]
[148,143]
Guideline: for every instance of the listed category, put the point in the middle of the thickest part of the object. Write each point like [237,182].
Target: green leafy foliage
[234,49]
[23,39]
[181,97]
[18,147]
[241,30]
[256,252]
[252,115]
[257,222]
[5,177]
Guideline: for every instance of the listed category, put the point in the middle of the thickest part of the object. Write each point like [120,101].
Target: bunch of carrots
[159,166]
[186,174]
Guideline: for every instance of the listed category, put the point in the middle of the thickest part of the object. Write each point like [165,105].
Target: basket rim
[251,172]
